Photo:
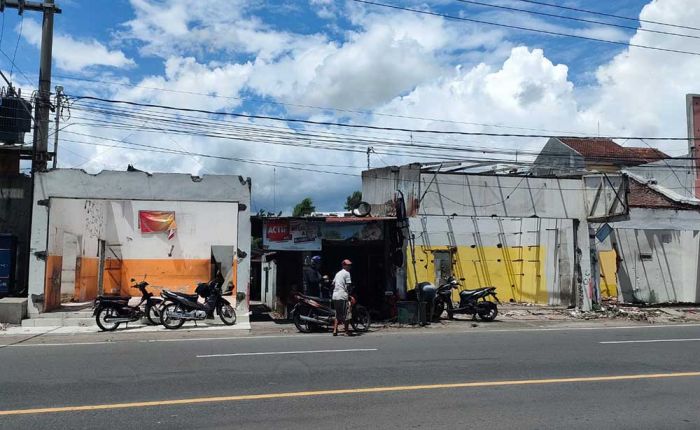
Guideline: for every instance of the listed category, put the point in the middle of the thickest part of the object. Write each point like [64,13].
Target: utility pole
[59,97]
[369,151]
[40,142]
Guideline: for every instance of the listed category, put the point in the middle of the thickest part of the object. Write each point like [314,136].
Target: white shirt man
[341,295]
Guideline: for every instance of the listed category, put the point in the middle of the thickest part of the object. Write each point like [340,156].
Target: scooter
[311,313]
[110,311]
[180,307]
[474,302]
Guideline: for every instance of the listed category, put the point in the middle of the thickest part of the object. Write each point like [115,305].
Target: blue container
[8,252]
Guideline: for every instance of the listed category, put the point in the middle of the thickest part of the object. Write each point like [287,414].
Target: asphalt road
[622,378]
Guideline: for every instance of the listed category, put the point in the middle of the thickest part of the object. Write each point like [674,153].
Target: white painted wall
[672,241]
[200,225]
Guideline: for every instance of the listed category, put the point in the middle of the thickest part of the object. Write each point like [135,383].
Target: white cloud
[75,55]
[181,27]
[398,64]
[185,80]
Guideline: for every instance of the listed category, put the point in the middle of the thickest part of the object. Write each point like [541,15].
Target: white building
[89,234]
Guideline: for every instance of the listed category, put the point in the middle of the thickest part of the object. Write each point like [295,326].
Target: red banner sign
[158,222]
[278,230]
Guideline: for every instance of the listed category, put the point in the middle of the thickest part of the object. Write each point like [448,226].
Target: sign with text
[291,235]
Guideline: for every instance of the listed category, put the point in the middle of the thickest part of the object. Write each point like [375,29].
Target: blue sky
[271,57]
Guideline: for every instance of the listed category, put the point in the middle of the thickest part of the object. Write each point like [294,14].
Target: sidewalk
[242,324]
[510,317]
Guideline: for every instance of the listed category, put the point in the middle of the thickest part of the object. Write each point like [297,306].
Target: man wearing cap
[341,296]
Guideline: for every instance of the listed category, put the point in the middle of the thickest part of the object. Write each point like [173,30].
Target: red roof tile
[641,196]
[606,150]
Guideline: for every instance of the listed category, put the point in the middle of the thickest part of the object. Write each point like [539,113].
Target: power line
[19,36]
[517,27]
[571,18]
[295,166]
[305,106]
[254,133]
[592,12]
[360,126]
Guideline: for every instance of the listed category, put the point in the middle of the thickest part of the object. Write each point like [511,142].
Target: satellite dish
[362,210]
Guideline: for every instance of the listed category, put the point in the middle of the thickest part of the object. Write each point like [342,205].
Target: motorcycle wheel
[153,314]
[301,325]
[101,317]
[438,310]
[360,319]
[167,321]
[487,311]
[227,314]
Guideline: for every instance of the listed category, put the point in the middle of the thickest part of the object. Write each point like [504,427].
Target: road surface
[621,378]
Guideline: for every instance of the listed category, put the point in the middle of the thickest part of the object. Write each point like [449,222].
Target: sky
[344,61]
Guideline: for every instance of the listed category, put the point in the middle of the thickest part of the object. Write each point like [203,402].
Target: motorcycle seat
[467,293]
[113,298]
[318,299]
[192,297]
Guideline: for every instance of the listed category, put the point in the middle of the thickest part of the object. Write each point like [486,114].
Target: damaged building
[93,233]
[530,237]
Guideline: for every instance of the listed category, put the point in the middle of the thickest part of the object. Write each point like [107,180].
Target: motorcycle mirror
[362,210]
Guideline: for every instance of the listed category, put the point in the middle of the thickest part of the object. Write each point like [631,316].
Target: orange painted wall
[176,274]
[52,282]
[112,279]
[86,279]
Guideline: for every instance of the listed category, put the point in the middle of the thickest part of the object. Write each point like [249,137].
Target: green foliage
[304,208]
[353,200]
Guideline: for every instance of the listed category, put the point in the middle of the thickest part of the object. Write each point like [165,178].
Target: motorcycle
[311,313]
[180,307]
[110,311]
[474,302]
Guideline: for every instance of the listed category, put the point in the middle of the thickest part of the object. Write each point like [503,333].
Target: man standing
[341,296]
[312,279]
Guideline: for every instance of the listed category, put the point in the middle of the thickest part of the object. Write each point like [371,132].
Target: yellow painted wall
[518,273]
[608,273]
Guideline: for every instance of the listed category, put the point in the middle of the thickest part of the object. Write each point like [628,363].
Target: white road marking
[318,351]
[391,333]
[649,341]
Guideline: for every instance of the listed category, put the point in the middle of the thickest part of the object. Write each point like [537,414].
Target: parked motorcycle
[311,313]
[110,311]
[180,307]
[474,302]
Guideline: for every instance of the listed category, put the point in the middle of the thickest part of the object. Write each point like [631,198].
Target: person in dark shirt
[312,279]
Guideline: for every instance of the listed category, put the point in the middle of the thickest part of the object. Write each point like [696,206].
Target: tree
[265,213]
[353,200]
[304,208]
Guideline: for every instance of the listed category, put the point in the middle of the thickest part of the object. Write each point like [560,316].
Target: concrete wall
[561,205]
[555,157]
[108,185]
[526,259]
[676,175]
[15,215]
[659,251]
